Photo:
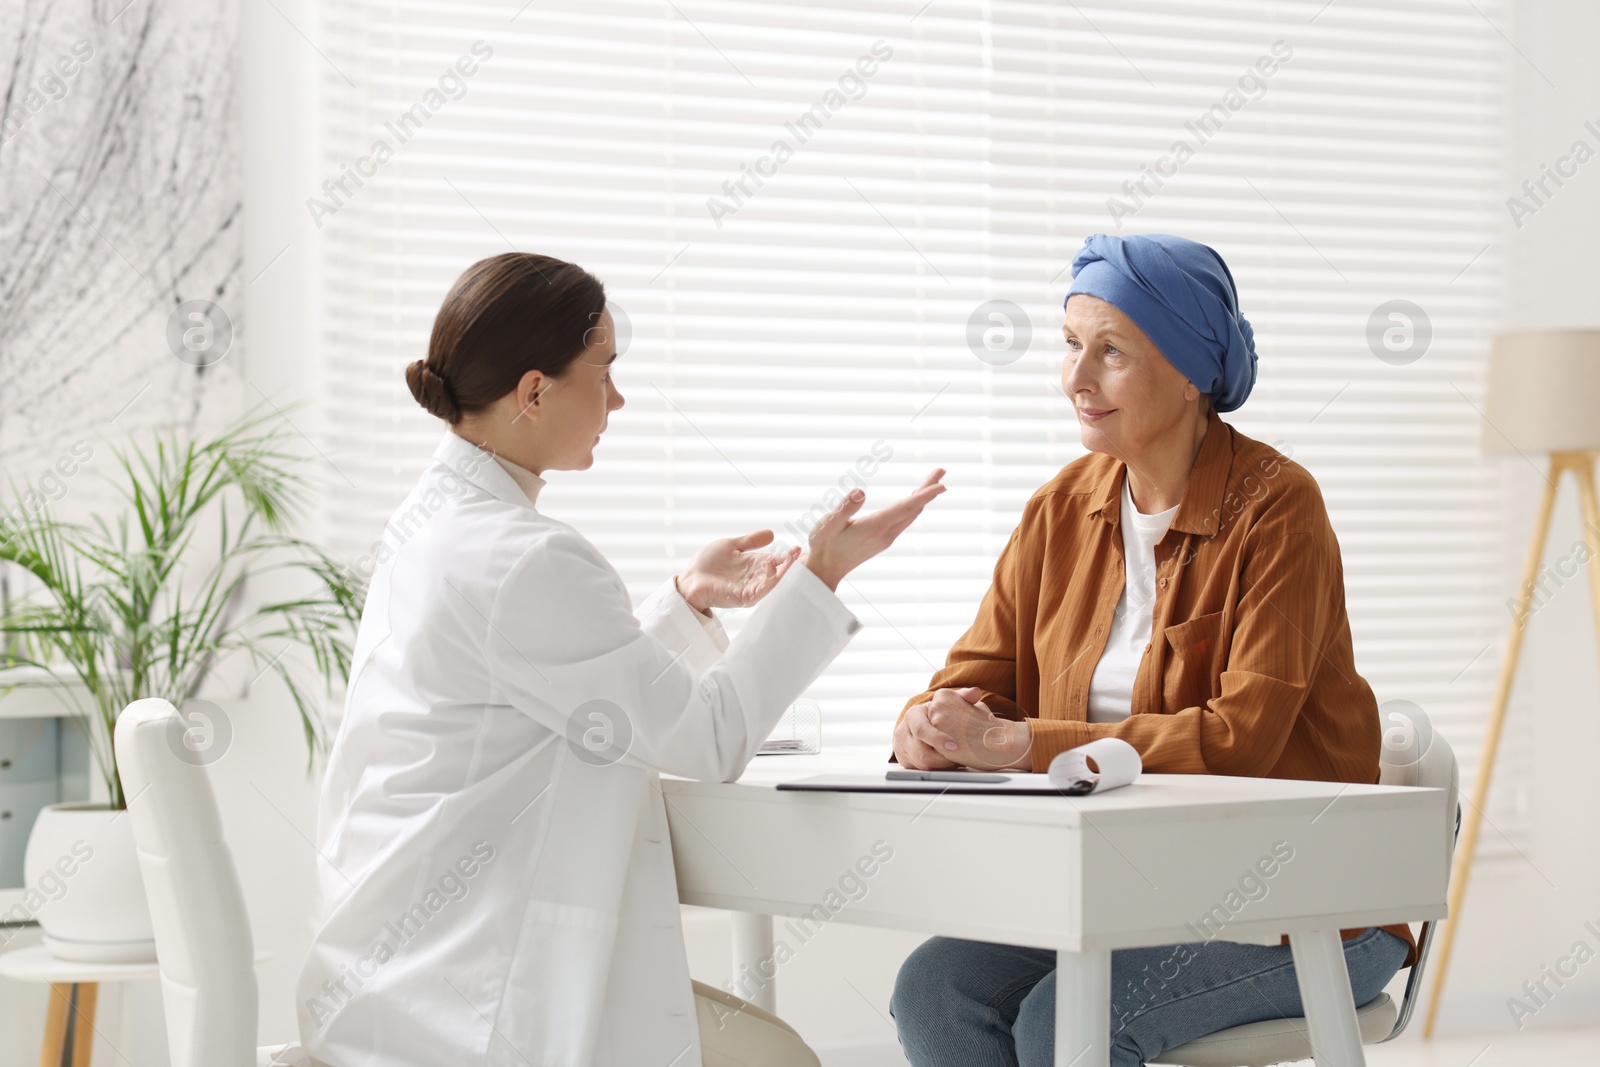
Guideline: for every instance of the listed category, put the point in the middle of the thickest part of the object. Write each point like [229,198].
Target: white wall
[1526,912]
[268,801]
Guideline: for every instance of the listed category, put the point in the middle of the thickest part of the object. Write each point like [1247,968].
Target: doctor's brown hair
[505,315]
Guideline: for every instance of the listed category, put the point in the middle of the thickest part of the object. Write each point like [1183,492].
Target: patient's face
[1111,366]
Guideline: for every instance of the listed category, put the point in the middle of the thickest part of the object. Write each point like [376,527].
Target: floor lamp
[1543,396]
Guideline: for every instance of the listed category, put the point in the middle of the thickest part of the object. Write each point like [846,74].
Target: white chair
[1271,1041]
[203,944]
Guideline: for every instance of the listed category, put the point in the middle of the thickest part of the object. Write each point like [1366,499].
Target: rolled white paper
[1118,761]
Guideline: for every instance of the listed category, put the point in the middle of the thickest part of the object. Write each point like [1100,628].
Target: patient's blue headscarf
[1182,296]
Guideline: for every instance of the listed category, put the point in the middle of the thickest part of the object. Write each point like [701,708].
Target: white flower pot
[84,887]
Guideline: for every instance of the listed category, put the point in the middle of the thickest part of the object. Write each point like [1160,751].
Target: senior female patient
[1180,588]
[497,880]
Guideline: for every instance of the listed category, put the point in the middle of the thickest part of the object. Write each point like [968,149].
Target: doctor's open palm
[728,573]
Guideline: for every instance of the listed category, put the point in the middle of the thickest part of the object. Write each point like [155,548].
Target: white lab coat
[493,891]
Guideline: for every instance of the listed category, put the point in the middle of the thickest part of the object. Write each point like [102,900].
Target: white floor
[1545,1046]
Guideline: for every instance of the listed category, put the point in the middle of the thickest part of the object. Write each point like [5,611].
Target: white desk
[1137,866]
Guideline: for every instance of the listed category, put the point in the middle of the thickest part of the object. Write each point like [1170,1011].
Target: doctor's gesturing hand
[729,573]
[840,544]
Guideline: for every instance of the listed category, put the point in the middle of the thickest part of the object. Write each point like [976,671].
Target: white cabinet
[44,759]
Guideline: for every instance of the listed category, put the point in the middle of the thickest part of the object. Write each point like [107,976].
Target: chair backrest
[1413,754]
[1426,760]
[202,932]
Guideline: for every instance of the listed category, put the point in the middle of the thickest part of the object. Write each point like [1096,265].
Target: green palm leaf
[125,604]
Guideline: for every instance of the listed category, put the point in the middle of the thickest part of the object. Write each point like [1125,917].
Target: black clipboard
[1017,784]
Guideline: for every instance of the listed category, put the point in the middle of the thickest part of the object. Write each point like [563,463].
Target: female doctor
[497,883]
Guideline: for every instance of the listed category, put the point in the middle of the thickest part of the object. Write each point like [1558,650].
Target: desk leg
[1325,995]
[753,957]
[1083,1009]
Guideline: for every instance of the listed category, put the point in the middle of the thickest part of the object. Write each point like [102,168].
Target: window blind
[840,234]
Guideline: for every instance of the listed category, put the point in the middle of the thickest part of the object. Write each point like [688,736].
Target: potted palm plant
[151,602]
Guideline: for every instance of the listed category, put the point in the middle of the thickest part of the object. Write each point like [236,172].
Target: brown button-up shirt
[1249,670]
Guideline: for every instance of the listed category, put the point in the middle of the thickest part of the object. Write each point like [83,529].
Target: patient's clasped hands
[956,729]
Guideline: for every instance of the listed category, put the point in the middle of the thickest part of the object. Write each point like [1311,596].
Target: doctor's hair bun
[432,391]
[505,316]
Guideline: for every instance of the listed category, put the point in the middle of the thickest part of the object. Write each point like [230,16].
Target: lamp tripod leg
[1491,742]
[1589,509]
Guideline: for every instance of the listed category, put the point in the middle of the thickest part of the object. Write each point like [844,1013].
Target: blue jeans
[975,1004]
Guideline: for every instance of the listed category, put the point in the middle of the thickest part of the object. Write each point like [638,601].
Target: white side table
[74,987]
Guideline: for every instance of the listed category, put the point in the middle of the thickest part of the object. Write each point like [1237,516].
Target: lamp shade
[1544,392]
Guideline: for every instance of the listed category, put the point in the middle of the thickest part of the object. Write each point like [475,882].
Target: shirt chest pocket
[1191,672]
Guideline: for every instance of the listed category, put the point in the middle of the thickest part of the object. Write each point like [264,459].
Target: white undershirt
[530,482]
[1111,686]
